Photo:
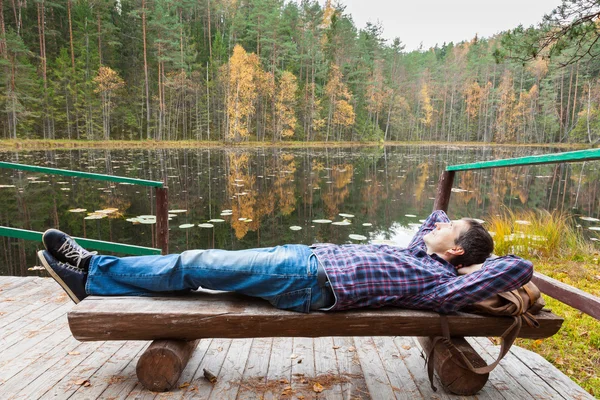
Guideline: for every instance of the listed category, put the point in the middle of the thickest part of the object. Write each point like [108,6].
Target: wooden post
[161,365]
[454,377]
[162,219]
[444,190]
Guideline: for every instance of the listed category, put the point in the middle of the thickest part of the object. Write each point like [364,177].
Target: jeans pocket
[297,300]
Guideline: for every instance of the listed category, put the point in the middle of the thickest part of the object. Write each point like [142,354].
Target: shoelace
[75,252]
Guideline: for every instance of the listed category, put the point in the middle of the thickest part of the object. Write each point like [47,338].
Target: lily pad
[594,228]
[322,221]
[590,219]
[410,215]
[367,224]
[346,215]
[206,225]
[216,220]
[341,223]
[77,210]
[7,186]
[295,228]
[177,211]
[186,226]
[355,236]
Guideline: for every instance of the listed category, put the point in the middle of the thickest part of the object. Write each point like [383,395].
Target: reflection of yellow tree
[284,187]
[240,185]
[338,191]
[421,181]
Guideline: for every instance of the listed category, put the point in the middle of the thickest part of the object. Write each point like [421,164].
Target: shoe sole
[56,277]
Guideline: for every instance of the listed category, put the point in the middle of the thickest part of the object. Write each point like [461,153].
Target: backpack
[520,304]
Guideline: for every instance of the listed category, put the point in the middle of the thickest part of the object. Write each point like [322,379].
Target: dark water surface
[269,190]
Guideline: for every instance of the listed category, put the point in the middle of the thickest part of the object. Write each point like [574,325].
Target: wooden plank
[17,357]
[414,361]
[348,364]
[326,364]
[227,315]
[22,330]
[103,375]
[302,359]
[569,156]
[26,298]
[121,383]
[232,370]
[29,374]
[10,282]
[507,386]
[84,364]
[553,377]
[280,366]
[212,361]
[80,174]
[373,369]
[257,367]
[399,376]
[567,294]
[529,381]
[185,382]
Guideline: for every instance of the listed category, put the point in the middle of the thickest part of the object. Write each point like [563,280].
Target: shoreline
[60,144]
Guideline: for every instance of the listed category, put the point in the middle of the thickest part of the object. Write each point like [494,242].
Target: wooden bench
[175,324]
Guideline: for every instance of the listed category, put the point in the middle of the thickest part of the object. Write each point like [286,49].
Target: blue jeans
[286,275]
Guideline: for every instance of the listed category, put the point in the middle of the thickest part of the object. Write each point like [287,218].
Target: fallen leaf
[83,382]
[406,347]
[559,361]
[219,349]
[336,347]
[351,349]
[294,356]
[317,387]
[73,353]
[184,385]
[300,361]
[300,397]
[283,380]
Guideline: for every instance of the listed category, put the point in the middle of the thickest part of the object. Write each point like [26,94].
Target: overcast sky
[439,21]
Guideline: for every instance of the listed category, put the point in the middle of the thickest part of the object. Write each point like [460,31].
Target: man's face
[443,237]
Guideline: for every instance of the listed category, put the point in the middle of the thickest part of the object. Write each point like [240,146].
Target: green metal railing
[569,295]
[162,228]
[87,243]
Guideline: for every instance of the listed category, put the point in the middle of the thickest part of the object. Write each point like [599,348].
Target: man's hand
[467,270]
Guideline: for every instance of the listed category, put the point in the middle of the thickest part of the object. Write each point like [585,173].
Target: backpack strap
[507,339]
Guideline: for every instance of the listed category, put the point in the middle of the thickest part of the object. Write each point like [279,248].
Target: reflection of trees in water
[378,185]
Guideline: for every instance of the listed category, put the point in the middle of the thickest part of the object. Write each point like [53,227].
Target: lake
[254,197]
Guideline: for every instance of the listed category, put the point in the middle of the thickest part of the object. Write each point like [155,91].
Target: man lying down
[445,267]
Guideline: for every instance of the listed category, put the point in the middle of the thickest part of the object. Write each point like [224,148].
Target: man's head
[463,242]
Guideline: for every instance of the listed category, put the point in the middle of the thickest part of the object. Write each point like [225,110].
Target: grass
[558,250]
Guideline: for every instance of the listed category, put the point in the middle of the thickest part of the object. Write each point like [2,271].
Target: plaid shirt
[380,275]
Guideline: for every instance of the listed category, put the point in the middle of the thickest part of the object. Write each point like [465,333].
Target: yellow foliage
[240,79]
[473,93]
[284,105]
[107,80]
[426,107]
[339,99]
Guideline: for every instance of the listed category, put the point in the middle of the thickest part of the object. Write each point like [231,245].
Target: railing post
[444,190]
[162,219]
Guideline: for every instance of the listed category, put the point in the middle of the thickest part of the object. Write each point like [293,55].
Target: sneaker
[70,278]
[66,250]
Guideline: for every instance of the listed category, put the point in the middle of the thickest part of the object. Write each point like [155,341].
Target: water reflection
[265,191]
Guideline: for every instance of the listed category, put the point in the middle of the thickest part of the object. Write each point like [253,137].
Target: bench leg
[161,365]
[453,376]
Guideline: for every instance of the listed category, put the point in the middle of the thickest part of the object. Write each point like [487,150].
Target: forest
[275,70]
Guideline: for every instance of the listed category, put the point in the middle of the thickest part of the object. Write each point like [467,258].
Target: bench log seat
[176,323]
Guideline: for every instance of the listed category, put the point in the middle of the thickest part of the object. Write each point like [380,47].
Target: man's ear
[456,251]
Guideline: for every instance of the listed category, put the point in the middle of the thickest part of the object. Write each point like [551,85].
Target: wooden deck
[40,359]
